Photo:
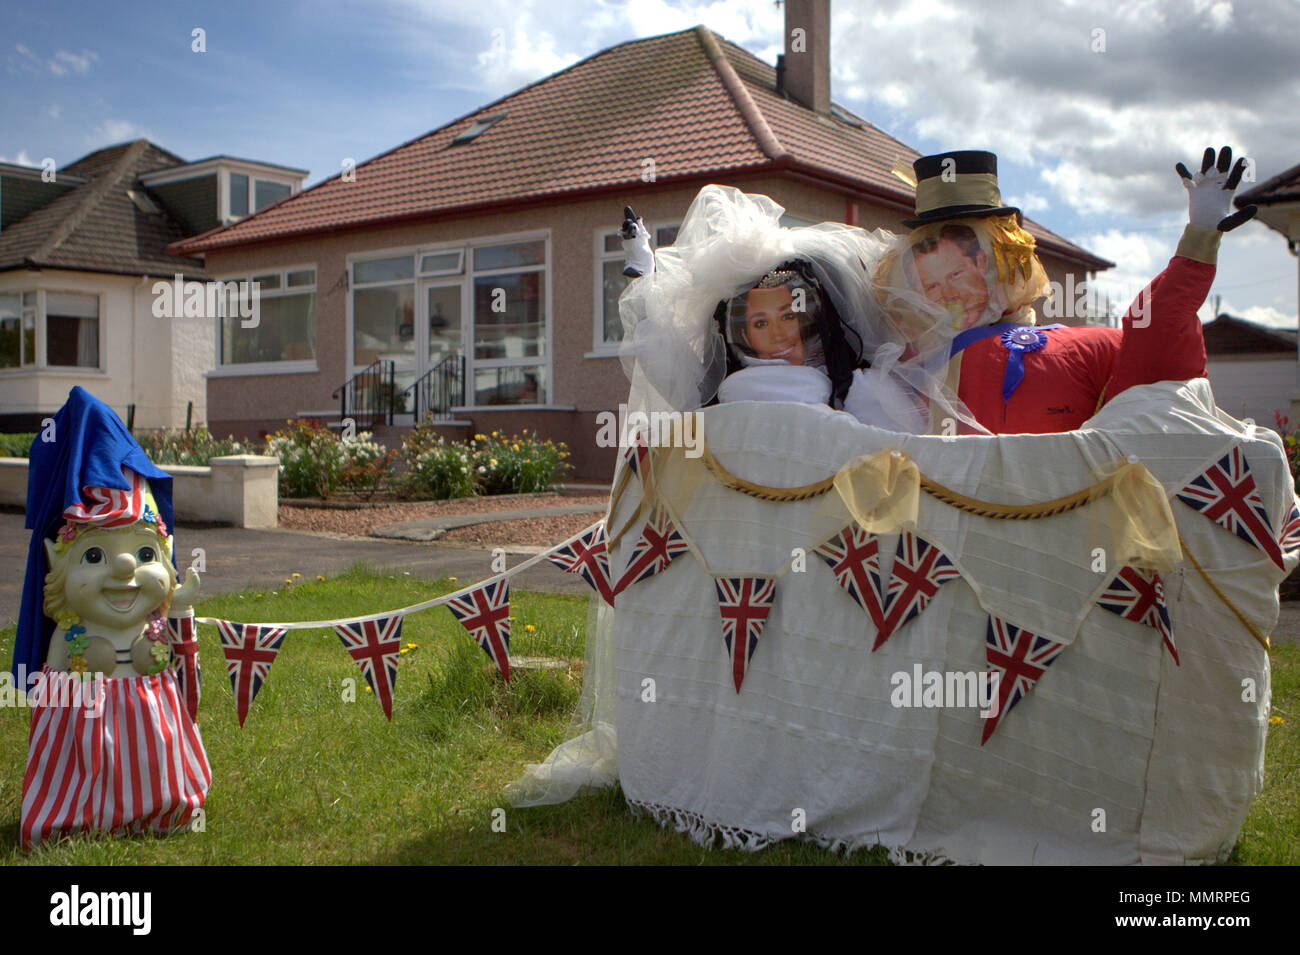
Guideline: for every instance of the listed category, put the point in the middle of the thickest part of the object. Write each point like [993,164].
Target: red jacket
[1080,368]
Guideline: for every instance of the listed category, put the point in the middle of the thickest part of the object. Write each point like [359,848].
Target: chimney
[808,53]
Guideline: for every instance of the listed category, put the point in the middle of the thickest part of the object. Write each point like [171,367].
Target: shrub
[1291,442]
[437,469]
[520,464]
[15,445]
[314,462]
[195,447]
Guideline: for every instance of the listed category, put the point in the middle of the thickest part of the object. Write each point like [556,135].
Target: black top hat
[957,185]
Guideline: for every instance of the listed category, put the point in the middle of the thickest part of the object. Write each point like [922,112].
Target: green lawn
[314,779]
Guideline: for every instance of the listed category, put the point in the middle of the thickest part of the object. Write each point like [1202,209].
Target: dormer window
[476,129]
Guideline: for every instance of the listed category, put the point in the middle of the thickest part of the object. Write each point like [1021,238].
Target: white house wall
[1249,386]
[156,364]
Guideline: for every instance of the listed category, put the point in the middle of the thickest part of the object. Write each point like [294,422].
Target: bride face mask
[776,320]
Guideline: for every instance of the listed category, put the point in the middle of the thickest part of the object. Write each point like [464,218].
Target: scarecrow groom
[965,275]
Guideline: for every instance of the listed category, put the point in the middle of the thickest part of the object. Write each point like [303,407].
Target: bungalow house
[1278,200]
[81,249]
[1252,368]
[473,273]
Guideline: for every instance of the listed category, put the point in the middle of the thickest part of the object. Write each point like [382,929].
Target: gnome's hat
[957,185]
[85,469]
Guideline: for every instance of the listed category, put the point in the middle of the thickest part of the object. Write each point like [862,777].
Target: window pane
[383,323]
[665,236]
[238,194]
[266,193]
[72,330]
[505,256]
[305,277]
[510,386]
[508,317]
[614,282]
[29,336]
[266,283]
[10,356]
[384,270]
[286,331]
[614,243]
[445,262]
[29,298]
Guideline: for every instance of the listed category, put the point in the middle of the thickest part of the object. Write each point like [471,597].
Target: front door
[441,324]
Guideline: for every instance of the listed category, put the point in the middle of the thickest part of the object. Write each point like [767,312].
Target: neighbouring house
[1252,368]
[472,275]
[81,248]
[1278,200]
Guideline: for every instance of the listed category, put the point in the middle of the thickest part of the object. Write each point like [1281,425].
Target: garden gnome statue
[106,644]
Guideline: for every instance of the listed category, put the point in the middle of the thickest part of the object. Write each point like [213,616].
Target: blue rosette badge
[1018,342]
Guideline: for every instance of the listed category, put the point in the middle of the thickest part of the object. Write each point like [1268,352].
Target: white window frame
[467,275]
[295,367]
[224,189]
[39,364]
[599,347]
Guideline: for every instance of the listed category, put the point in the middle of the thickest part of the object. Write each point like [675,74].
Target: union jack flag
[920,568]
[588,556]
[375,645]
[659,543]
[185,651]
[745,603]
[485,613]
[1226,494]
[250,649]
[1141,597]
[1291,531]
[1019,658]
[110,507]
[854,558]
[637,456]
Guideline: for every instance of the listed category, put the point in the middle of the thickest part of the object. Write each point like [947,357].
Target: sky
[1088,103]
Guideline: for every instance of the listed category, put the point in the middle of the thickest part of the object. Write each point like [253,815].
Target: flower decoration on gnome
[106,642]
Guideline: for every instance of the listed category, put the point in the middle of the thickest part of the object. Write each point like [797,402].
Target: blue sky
[1086,138]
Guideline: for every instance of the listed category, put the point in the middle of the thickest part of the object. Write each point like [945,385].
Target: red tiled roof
[697,105]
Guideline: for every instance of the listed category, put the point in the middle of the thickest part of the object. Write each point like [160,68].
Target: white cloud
[54,112]
[1264,315]
[1029,203]
[65,62]
[112,131]
[22,159]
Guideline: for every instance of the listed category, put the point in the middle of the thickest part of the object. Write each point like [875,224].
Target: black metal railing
[439,389]
[370,393]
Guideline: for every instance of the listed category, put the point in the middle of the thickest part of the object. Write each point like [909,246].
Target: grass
[312,779]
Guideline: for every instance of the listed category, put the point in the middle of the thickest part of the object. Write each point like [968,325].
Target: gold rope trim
[1254,632]
[1017,512]
[1008,512]
[760,491]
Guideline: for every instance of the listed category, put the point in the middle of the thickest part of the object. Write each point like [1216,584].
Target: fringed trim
[701,831]
[706,833]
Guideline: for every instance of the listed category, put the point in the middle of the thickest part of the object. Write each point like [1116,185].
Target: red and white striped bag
[114,755]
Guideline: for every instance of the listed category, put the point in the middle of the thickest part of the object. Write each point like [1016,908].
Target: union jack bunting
[250,649]
[1291,531]
[185,655]
[110,507]
[588,556]
[919,569]
[1226,494]
[1019,658]
[637,456]
[854,558]
[1134,595]
[658,544]
[745,603]
[485,613]
[375,645]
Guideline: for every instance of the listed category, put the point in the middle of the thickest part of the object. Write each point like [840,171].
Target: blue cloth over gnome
[90,448]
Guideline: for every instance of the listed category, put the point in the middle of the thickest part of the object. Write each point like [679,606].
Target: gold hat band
[968,189]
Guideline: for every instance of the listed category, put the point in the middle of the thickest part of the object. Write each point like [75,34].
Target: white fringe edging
[706,833]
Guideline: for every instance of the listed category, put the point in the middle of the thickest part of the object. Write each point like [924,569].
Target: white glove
[1209,192]
[638,258]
